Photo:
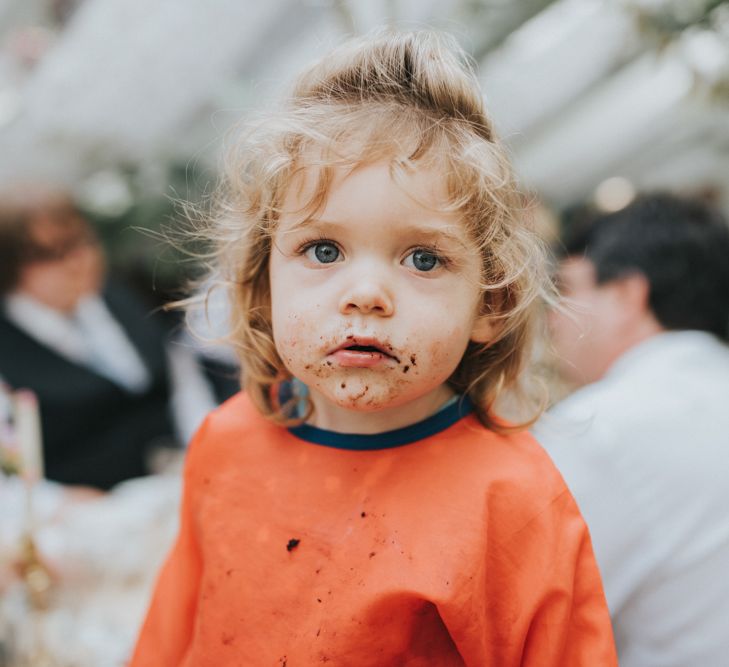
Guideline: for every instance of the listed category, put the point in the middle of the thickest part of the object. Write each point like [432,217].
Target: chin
[362,401]
[371,405]
[369,398]
[361,395]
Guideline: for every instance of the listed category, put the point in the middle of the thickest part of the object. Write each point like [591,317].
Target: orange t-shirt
[460,547]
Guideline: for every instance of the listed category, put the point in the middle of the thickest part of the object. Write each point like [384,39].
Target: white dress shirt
[645,452]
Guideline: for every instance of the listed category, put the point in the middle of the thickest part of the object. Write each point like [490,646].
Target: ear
[635,318]
[485,329]
[633,291]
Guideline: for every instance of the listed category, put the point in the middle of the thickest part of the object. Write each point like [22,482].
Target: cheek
[48,278]
[437,354]
[288,335]
[568,329]
[297,336]
[285,322]
[582,336]
[290,310]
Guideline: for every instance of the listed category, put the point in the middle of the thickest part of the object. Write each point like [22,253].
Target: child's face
[374,300]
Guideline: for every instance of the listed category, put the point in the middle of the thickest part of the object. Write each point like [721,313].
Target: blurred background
[128,101]
[128,105]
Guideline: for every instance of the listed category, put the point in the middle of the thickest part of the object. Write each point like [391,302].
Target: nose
[367,294]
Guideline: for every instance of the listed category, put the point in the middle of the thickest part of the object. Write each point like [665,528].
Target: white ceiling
[572,85]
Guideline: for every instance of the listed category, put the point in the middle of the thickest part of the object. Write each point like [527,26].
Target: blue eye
[423,260]
[323,252]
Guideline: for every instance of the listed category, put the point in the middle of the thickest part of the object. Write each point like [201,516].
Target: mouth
[363,352]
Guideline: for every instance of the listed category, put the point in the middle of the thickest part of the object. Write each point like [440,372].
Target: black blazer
[94,432]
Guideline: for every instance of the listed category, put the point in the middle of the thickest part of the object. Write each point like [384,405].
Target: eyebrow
[434,232]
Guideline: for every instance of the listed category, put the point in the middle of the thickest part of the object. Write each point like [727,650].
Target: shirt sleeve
[168,627]
[545,597]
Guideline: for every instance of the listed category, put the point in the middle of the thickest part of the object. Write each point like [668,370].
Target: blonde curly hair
[412,99]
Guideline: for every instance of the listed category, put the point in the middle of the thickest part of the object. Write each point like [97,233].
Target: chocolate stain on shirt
[292,544]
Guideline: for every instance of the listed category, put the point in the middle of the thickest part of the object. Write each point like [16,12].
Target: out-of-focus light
[708,53]
[614,193]
[106,193]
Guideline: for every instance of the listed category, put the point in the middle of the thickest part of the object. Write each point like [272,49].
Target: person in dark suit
[85,345]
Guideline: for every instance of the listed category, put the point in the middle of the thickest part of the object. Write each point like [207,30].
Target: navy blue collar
[436,423]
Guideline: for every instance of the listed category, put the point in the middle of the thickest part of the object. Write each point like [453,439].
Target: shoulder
[654,383]
[516,458]
[233,415]
[230,433]
[594,417]
[516,476]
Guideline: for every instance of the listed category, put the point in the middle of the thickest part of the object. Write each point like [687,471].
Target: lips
[363,352]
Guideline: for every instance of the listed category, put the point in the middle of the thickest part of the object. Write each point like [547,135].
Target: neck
[62,306]
[646,328]
[333,417]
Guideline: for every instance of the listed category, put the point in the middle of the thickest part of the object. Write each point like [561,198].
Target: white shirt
[645,452]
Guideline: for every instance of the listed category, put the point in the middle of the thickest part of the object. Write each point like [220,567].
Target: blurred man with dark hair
[644,446]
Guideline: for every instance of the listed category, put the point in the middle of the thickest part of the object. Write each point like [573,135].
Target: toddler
[361,504]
